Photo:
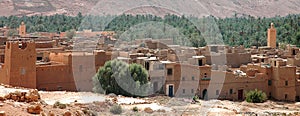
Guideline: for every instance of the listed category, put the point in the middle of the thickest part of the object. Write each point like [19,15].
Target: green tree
[256,96]
[121,78]
[297,40]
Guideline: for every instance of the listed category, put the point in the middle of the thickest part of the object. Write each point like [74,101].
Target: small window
[262,60]
[286,83]
[23,71]
[183,90]
[192,91]
[285,96]
[205,75]
[230,91]
[217,92]
[39,58]
[269,82]
[170,71]
[193,78]
[183,78]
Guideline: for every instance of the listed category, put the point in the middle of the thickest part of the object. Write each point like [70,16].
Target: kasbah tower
[272,36]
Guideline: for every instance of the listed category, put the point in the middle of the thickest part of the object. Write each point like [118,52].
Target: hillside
[219,8]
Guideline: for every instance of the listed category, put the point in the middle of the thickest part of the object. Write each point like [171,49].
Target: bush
[116,109]
[135,109]
[59,105]
[256,96]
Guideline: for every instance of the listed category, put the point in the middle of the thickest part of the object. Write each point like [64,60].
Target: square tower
[20,64]
[272,36]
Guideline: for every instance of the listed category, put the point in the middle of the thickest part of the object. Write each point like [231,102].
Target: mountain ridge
[199,8]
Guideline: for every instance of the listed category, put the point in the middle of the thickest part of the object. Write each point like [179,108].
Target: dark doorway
[204,94]
[240,94]
[171,88]
[294,52]
[200,62]
[147,65]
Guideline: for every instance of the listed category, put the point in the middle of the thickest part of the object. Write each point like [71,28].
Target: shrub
[256,96]
[59,105]
[121,78]
[116,109]
[135,109]
[195,98]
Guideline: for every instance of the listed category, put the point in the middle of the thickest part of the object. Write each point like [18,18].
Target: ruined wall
[19,66]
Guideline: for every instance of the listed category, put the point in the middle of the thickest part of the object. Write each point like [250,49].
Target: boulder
[115,100]
[80,113]
[43,114]
[2,98]
[22,99]
[161,110]
[148,110]
[2,113]
[31,97]
[7,96]
[67,113]
[14,97]
[51,113]
[34,109]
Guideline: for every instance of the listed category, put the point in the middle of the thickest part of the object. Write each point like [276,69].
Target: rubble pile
[30,96]
[34,109]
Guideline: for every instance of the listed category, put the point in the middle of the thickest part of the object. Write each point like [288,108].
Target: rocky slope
[218,8]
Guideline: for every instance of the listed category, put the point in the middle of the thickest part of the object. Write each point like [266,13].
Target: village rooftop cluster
[50,61]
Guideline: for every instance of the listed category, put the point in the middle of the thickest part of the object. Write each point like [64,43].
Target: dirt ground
[86,103]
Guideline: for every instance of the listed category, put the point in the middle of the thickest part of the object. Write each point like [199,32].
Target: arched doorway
[204,94]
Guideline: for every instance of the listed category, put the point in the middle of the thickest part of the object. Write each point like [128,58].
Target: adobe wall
[293,62]
[297,90]
[220,84]
[45,44]
[283,83]
[189,81]
[55,77]
[101,58]
[64,57]
[83,69]
[173,79]
[4,75]
[234,60]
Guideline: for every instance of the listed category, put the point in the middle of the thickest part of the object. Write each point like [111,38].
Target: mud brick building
[212,72]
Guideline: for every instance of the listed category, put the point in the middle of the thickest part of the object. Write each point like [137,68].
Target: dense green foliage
[256,96]
[191,31]
[122,79]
